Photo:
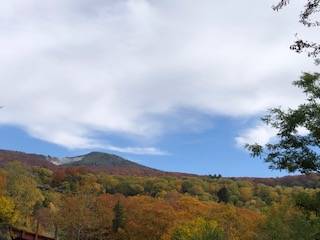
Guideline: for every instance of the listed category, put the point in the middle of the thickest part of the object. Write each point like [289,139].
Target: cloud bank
[260,134]
[263,134]
[71,69]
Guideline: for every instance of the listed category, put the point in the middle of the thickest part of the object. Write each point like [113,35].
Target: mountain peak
[94,161]
[99,159]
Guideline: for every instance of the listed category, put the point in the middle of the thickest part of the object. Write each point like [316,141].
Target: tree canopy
[297,145]
[308,19]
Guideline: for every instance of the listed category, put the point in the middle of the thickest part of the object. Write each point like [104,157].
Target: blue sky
[213,151]
[172,84]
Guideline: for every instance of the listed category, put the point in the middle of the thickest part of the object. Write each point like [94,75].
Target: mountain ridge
[93,161]
[112,163]
[115,165]
[29,159]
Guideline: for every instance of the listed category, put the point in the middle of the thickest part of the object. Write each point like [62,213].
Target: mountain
[112,164]
[27,159]
[94,161]
[115,165]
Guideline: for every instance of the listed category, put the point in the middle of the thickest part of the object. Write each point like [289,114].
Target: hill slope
[112,164]
[115,165]
[27,159]
[94,161]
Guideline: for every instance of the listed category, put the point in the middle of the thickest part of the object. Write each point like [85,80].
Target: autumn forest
[217,103]
[75,203]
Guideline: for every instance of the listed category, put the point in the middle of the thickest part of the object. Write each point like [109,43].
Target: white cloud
[263,134]
[302,131]
[260,134]
[73,68]
[137,150]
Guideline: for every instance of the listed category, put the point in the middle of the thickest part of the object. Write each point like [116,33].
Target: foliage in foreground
[82,205]
[298,132]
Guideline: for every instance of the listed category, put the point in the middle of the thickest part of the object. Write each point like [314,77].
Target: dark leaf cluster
[297,146]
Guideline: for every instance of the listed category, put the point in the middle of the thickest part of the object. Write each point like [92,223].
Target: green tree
[192,187]
[119,217]
[293,150]
[308,202]
[198,229]
[128,188]
[43,175]
[7,211]
[8,216]
[155,186]
[223,195]
[285,222]
[22,188]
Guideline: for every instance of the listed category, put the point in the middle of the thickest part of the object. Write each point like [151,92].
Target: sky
[176,85]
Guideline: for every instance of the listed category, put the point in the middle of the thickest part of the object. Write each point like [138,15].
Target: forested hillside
[113,164]
[28,159]
[116,165]
[74,203]
[94,162]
